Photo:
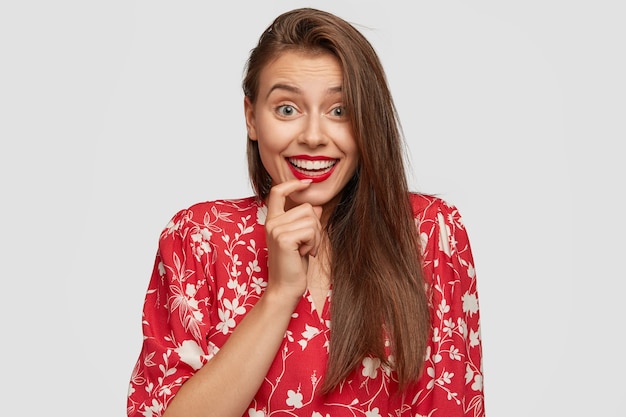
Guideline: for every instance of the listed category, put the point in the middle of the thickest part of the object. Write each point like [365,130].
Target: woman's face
[301,126]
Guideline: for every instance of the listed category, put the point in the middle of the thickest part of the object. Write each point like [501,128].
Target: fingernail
[306,181]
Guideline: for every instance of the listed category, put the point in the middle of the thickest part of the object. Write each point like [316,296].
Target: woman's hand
[292,235]
[226,384]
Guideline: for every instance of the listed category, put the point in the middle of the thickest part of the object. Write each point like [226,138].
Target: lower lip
[313,177]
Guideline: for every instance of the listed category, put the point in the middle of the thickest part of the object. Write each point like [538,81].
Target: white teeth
[312,165]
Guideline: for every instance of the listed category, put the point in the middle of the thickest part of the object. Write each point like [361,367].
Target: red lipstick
[314,168]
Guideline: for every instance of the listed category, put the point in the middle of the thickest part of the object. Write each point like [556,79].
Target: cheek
[271,157]
[350,147]
[271,136]
[269,149]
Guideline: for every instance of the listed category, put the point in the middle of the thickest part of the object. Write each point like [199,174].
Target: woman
[237,317]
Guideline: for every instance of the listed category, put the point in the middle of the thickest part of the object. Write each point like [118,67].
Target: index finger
[278,195]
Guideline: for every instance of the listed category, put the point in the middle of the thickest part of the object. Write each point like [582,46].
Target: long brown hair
[378,288]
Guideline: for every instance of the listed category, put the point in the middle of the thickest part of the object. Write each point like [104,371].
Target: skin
[298,113]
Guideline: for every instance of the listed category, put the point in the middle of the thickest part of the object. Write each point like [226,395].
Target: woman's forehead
[294,70]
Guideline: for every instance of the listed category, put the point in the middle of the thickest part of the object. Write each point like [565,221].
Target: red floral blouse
[211,268]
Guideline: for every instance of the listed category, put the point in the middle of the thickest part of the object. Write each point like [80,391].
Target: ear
[248,108]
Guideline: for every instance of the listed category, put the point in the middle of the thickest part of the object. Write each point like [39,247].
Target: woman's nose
[313,131]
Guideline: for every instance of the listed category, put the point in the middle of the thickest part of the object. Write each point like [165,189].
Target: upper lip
[313,157]
[312,162]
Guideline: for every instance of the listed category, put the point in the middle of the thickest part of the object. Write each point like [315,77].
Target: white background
[116,114]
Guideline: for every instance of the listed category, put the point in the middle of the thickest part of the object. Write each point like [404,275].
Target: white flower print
[370,367]
[241,289]
[226,322]
[194,302]
[258,284]
[190,293]
[232,283]
[190,353]
[201,239]
[154,410]
[294,399]
[470,303]
[373,413]
[253,266]
[234,306]
[308,334]
[206,234]
[202,235]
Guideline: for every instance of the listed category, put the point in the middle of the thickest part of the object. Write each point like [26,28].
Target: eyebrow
[296,90]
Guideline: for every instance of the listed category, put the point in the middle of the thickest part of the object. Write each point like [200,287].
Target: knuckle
[282,240]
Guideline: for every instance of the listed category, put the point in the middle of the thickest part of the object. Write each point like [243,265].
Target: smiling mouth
[309,167]
[316,169]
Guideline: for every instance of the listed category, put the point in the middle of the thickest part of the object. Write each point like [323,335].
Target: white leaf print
[474,338]
[478,383]
[310,332]
[444,235]
[454,353]
[469,374]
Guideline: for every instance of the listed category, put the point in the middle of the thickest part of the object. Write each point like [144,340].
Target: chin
[316,198]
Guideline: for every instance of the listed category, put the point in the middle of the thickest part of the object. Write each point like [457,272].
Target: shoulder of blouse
[214,213]
[428,206]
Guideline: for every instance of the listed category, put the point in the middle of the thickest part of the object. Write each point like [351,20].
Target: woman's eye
[286,110]
[338,111]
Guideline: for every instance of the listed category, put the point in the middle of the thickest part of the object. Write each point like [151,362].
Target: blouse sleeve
[175,318]
[453,368]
